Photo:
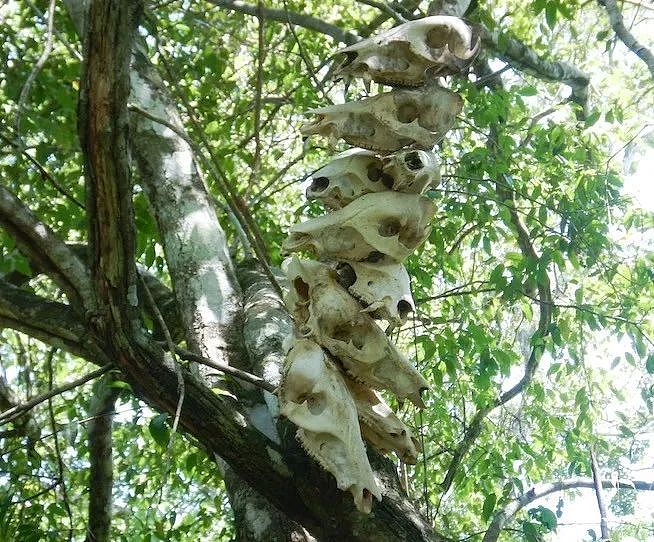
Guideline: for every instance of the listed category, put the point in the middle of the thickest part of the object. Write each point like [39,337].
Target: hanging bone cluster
[377,216]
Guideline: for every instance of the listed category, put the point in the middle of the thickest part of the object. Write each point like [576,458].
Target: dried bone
[326,312]
[314,396]
[380,228]
[389,121]
[404,55]
[380,426]
[413,171]
[383,289]
[350,175]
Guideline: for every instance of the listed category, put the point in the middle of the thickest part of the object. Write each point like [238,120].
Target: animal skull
[412,171]
[389,121]
[380,426]
[313,395]
[350,175]
[380,228]
[403,55]
[383,289]
[326,312]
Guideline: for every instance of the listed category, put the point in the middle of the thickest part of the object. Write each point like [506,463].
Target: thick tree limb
[503,516]
[521,57]
[41,245]
[630,41]
[103,126]
[51,322]
[101,411]
[297,19]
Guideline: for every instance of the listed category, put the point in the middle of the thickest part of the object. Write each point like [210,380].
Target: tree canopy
[151,165]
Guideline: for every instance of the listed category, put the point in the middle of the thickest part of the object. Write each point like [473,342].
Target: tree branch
[617,23]
[41,245]
[503,516]
[51,322]
[101,412]
[17,411]
[521,57]
[298,19]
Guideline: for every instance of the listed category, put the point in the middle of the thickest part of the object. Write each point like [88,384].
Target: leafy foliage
[476,287]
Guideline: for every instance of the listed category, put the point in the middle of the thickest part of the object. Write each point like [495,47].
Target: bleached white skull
[350,175]
[380,426]
[314,396]
[380,228]
[405,54]
[384,290]
[389,121]
[326,312]
[413,171]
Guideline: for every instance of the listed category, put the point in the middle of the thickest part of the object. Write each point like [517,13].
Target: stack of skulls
[339,356]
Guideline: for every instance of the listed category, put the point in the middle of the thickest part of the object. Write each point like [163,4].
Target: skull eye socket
[319,184]
[437,38]
[389,227]
[301,287]
[407,112]
[413,161]
[374,173]
[374,257]
[345,275]
[404,308]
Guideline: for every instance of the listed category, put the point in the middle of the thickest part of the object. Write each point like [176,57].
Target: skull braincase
[314,396]
[386,226]
[383,289]
[412,171]
[403,55]
[380,426]
[335,320]
[350,175]
[389,121]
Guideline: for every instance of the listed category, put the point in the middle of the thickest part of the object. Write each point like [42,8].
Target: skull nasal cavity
[389,227]
[316,405]
[413,161]
[437,38]
[350,56]
[319,184]
[407,112]
[403,308]
[301,287]
[345,275]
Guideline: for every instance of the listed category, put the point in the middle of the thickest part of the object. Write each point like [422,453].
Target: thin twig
[13,413]
[60,462]
[44,173]
[25,91]
[227,369]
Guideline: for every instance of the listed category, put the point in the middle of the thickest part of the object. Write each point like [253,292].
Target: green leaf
[649,364]
[550,14]
[159,430]
[592,118]
[489,506]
